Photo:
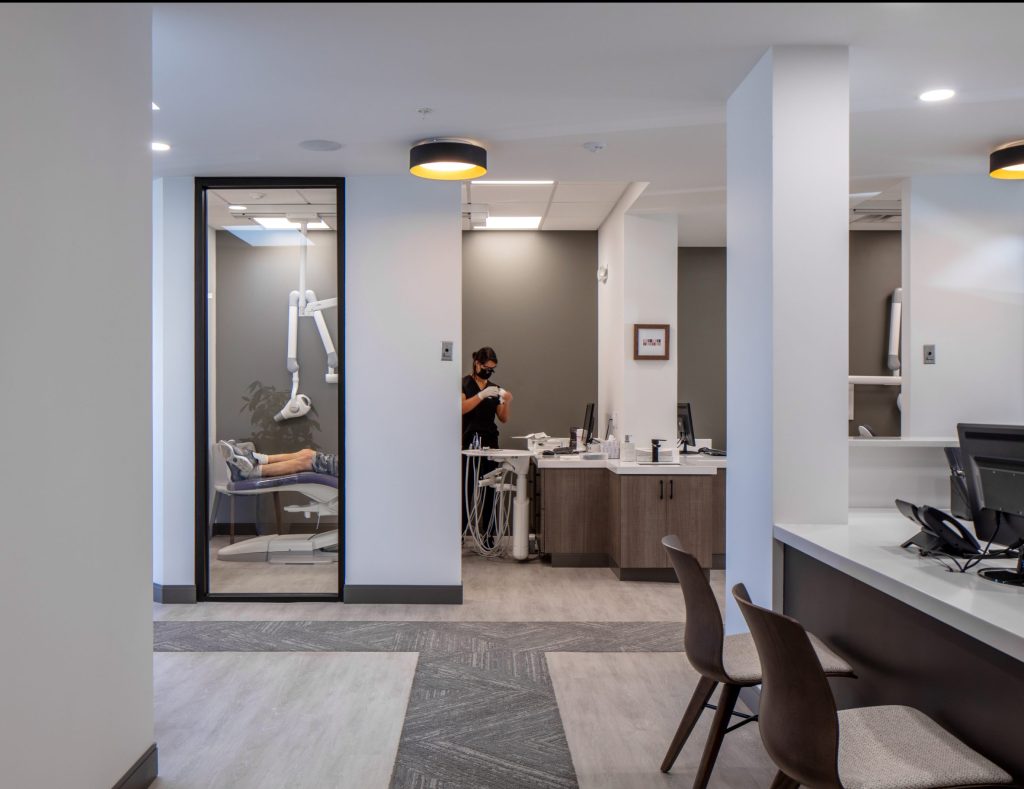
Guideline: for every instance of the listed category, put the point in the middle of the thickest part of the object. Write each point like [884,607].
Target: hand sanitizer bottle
[628,452]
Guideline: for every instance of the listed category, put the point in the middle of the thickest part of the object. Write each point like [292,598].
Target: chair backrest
[704,629]
[797,713]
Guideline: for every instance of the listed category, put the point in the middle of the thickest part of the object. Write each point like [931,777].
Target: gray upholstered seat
[901,748]
[739,658]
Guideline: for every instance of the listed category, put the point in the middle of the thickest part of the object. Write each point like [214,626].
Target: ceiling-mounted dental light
[1007,161]
[448,159]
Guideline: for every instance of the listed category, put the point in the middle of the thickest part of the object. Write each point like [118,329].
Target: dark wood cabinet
[594,517]
[574,516]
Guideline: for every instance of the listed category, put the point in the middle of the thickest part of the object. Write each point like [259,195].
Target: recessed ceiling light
[864,194]
[160,146]
[512,183]
[940,94]
[320,145]
[155,107]
[512,223]
[238,208]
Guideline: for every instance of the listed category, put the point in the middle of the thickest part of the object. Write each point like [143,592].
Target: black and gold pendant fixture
[448,159]
[1007,161]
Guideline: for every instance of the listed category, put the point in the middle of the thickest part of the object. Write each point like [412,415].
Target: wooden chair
[813,745]
[719,659]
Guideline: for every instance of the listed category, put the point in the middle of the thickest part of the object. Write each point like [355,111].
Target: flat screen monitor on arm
[684,427]
[993,463]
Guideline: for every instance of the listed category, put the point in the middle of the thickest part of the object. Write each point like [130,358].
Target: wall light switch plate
[929,354]
[447,349]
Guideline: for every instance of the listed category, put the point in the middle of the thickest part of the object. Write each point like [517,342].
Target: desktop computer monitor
[684,426]
[993,464]
[588,423]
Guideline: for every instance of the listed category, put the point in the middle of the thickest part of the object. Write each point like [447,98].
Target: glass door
[270,388]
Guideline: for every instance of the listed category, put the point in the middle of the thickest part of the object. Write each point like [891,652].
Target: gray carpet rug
[482,710]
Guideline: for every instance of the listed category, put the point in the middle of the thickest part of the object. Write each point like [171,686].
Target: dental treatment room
[512,395]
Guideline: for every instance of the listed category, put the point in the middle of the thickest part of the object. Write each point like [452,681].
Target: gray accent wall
[875,271]
[252,289]
[701,339]
[532,296]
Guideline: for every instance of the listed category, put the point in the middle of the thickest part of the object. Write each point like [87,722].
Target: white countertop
[868,549]
[700,465]
[904,442]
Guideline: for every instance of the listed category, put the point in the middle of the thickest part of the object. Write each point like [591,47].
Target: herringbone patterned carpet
[482,711]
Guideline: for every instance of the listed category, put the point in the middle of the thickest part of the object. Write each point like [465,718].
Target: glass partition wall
[269,388]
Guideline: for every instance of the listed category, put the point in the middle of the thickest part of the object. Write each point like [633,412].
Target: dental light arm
[895,318]
[303,303]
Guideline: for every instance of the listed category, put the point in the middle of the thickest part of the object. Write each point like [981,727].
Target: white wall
[787,137]
[75,569]
[963,285]
[652,272]
[173,382]
[403,297]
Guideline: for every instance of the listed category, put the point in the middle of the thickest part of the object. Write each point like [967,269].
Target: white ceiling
[240,85]
[560,205]
[268,202]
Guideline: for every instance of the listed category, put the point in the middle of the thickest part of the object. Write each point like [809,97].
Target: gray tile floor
[541,678]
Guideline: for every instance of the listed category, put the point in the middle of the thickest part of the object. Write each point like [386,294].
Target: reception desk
[950,644]
[609,513]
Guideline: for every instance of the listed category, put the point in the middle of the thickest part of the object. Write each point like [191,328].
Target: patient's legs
[302,454]
[291,463]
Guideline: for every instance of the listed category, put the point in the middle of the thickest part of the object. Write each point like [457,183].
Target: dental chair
[317,548]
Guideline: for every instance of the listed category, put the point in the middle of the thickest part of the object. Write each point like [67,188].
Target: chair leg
[277,510]
[726,704]
[701,694]
[783,781]
[231,521]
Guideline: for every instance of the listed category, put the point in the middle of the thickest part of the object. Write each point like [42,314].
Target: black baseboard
[403,595]
[659,574]
[174,594]
[142,773]
[579,559]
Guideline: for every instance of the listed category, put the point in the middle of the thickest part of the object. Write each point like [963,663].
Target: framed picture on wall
[650,341]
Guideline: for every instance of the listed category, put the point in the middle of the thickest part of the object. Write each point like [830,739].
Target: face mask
[485,373]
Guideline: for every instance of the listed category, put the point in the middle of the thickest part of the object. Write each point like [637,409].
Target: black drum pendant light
[1007,161]
[448,159]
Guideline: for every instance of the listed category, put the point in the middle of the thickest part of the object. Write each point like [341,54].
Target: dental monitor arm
[302,303]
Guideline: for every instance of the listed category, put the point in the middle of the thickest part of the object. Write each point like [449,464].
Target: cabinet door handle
[661,488]
[671,488]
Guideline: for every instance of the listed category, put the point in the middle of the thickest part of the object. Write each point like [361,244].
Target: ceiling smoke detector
[594,146]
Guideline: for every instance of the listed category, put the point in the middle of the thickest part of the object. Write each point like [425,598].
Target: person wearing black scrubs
[482,401]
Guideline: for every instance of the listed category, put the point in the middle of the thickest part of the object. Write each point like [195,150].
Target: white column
[787,142]
[640,254]
[76,665]
[173,382]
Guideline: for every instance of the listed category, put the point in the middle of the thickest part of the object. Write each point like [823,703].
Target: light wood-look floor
[494,591]
[620,711]
[264,577]
[269,720]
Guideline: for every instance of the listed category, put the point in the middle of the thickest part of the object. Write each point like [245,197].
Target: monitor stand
[1005,575]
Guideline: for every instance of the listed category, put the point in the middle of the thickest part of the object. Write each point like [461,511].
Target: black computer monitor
[684,426]
[993,464]
[588,423]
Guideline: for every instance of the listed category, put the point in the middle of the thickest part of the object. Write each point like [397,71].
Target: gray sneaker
[245,449]
[239,466]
